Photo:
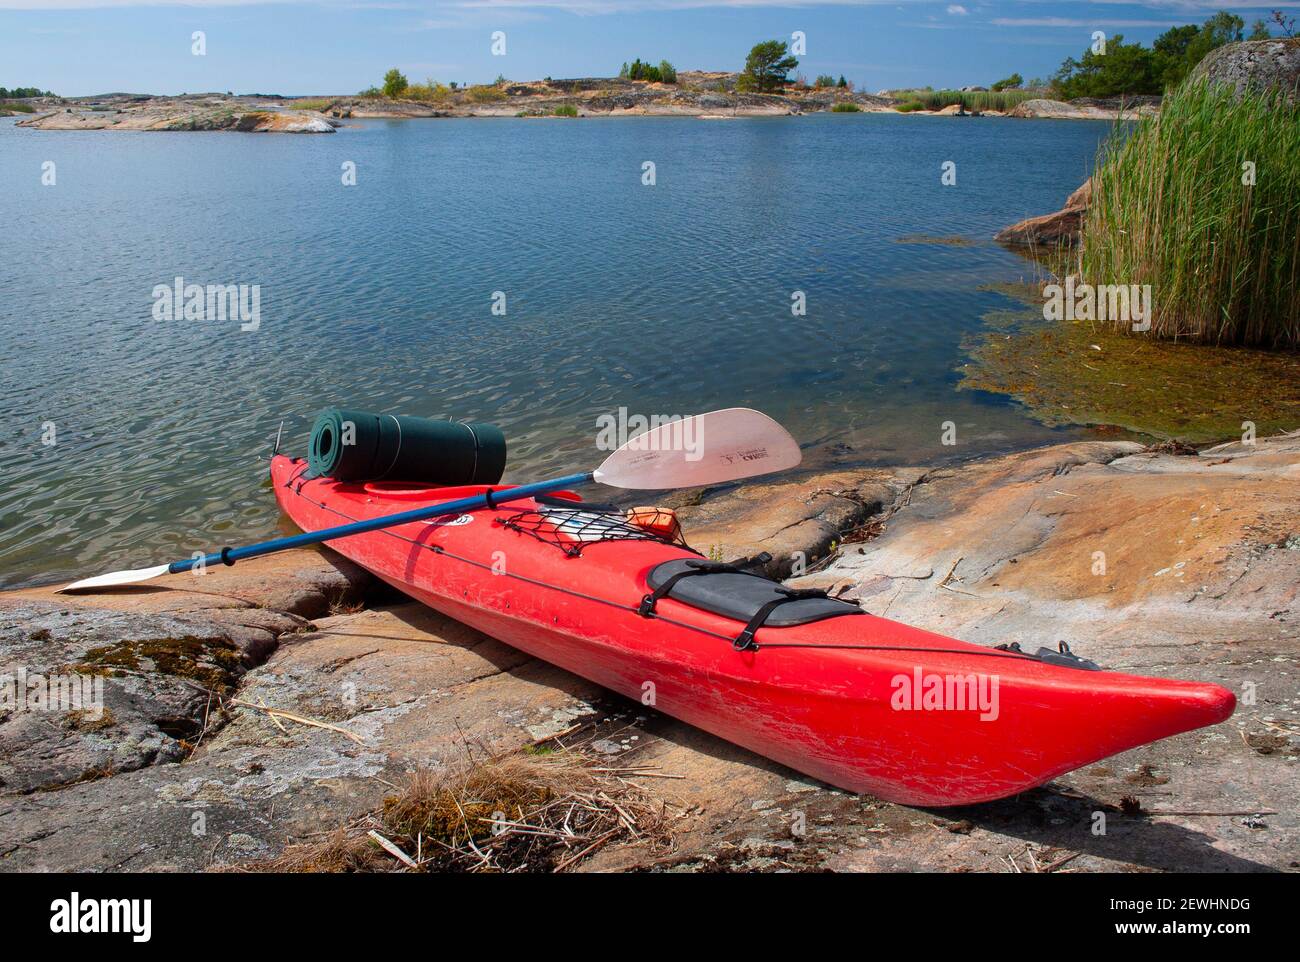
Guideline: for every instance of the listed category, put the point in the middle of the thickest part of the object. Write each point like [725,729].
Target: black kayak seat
[740,595]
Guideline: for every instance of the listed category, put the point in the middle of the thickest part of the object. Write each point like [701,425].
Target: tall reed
[1172,206]
[1002,100]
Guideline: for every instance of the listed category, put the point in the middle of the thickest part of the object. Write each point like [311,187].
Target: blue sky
[340,46]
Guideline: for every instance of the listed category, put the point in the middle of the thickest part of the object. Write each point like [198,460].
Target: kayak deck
[861,702]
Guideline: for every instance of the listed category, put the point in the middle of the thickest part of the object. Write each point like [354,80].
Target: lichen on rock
[1259,65]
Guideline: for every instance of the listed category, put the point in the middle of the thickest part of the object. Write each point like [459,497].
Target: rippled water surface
[667,299]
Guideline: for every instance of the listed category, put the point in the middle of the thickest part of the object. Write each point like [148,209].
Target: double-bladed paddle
[725,445]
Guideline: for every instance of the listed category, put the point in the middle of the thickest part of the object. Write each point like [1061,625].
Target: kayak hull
[863,703]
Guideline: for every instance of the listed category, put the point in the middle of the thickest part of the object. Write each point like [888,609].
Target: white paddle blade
[115,578]
[702,449]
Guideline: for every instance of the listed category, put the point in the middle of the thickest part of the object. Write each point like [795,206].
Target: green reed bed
[1000,100]
[1170,209]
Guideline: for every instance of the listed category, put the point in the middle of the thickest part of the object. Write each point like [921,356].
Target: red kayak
[860,702]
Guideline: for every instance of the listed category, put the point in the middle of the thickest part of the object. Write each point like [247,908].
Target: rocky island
[704,94]
[200,112]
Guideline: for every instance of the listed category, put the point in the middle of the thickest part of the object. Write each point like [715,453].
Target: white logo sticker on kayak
[445,522]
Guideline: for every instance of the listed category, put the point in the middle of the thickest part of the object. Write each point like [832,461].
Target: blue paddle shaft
[231,555]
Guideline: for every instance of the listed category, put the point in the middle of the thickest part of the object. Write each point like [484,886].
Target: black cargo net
[571,530]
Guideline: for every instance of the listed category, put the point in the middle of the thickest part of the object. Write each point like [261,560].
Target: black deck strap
[551,501]
[745,640]
[225,556]
[298,476]
[693,567]
[1063,657]
[487,499]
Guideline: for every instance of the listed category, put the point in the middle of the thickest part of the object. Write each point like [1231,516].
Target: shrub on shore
[429,92]
[17,108]
[1202,202]
[395,83]
[397,87]
[566,110]
[846,107]
[639,70]
[1000,100]
[22,92]
[312,103]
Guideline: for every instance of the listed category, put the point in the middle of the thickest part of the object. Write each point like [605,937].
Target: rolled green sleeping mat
[359,446]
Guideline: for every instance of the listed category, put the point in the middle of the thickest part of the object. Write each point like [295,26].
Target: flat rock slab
[115,682]
[1177,566]
[301,584]
[104,691]
[1081,110]
[176,114]
[407,687]
[796,522]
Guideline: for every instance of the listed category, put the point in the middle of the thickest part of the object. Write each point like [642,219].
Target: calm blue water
[668,299]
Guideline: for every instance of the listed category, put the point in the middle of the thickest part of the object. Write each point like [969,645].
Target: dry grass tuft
[340,851]
[462,805]
[522,811]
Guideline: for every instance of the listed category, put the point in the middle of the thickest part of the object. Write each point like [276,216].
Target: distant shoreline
[708,96]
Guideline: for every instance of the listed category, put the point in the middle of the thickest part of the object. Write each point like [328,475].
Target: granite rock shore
[205,113]
[1201,579]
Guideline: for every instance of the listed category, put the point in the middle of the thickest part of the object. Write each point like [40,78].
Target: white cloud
[105,4]
[1208,6]
[570,6]
[635,6]
[1067,22]
[1191,8]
